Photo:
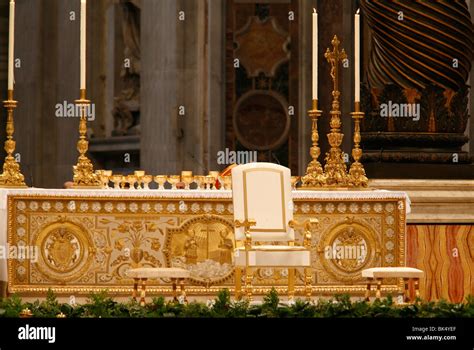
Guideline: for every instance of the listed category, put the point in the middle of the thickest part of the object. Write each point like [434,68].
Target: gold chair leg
[143,293]
[135,289]
[406,292]
[248,283]
[238,283]
[367,292]
[175,293]
[378,293]
[291,284]
[308,283]
[417,287]
[183,291]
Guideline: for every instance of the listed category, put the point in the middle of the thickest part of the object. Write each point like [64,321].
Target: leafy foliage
[100,305]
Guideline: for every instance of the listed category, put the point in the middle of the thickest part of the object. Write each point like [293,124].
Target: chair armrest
[308,226]
[246,224]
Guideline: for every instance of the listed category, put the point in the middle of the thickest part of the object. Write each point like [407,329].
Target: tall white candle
[83,44]
[357,57]
[315,55]
[11,46]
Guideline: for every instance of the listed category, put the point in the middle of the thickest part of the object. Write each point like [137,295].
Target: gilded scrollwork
[89,243]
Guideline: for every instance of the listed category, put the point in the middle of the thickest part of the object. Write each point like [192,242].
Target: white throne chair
[263,220]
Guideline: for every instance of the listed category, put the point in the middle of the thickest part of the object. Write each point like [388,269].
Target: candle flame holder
[84,175]
[357,175]
[315,176]
[11,176]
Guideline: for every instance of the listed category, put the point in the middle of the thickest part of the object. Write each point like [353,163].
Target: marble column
[305,63]
[30,121]
[216,90]
[182,62]
[160,138]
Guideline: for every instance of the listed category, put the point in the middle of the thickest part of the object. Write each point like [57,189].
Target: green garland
[101,305]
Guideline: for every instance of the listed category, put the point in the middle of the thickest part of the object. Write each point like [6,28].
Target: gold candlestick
[11,176]
[84,176]
[314,177]
[357,177]
[335,167]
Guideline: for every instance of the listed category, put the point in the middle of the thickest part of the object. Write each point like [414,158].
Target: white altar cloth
[222,194]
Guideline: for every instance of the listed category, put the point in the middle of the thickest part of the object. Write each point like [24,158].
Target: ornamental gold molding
[87,243]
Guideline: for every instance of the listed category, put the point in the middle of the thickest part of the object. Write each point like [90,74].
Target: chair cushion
[392,272]
[158,272]
[274,256]
[262,192]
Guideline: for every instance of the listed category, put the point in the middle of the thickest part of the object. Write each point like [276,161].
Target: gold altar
[87,239]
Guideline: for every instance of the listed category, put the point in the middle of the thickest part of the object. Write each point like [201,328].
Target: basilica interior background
[190,64]
[175,82]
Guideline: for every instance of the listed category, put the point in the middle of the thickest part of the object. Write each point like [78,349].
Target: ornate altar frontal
[85,240]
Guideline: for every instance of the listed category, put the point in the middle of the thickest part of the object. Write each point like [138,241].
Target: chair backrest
[262,192]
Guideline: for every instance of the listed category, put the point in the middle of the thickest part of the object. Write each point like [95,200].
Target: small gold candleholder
[147,179]
[117,180]
[173,180]
[314,177]
[216,176]
[84,175]
[357,177]
[139,176]
[209,180]
[108,174]
[102,174]
[132,180]
[227,182]
[187,178]
[294,181]
[200,181]
[160,180]
[11,176]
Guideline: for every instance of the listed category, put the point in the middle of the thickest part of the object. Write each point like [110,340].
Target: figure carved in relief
[225,246]
[191,248]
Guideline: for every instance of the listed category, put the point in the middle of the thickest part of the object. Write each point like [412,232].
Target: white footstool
[379,273]
[142,274]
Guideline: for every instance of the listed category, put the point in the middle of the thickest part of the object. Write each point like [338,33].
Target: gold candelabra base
[335,175]
[84,175]
[315,176]
[357,177]
[11,176]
